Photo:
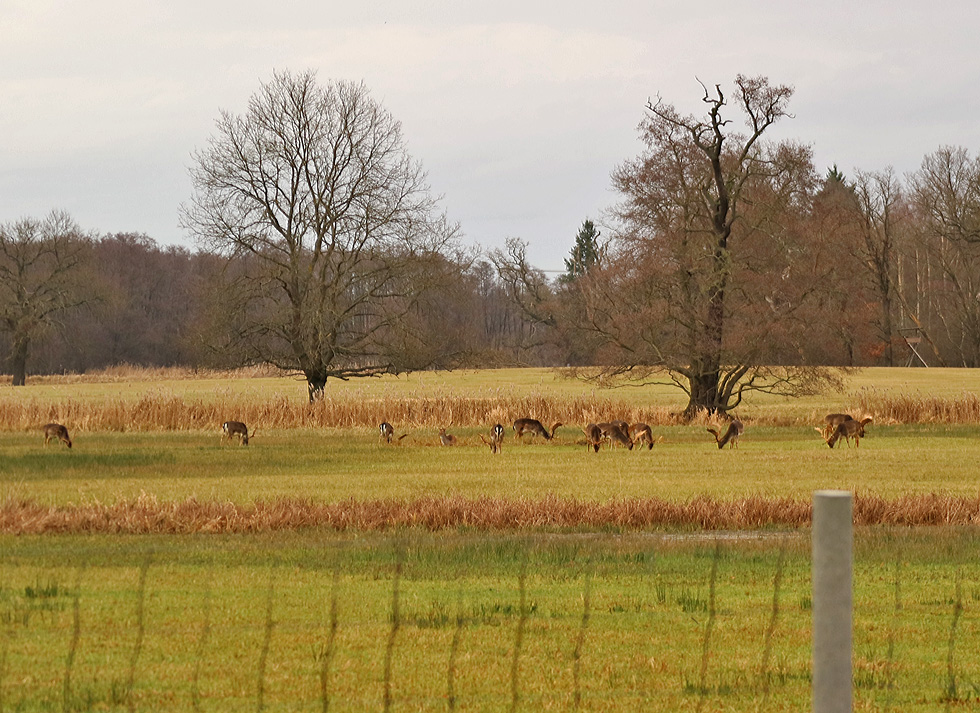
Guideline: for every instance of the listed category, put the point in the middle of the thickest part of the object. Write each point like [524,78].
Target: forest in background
[725,249]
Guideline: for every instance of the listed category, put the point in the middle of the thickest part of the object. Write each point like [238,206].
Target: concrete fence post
[833,541]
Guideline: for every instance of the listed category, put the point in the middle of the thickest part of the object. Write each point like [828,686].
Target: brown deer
[230,429]
[641,433]
[732,433]
[56,430]
[534,427]
[447,439]
[847,430]
[496,440]
[387,431]
[614,432]
[831,421]
[593,436]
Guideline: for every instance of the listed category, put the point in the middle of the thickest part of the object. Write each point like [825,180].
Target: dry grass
[147,515]
[158,411]
[169,412]
[891,407]
[129,373]
[130,398]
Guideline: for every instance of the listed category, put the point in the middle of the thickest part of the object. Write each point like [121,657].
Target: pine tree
[584,254]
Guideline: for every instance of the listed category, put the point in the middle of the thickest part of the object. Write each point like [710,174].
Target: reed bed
[170,412]
[898,407]
[147,515]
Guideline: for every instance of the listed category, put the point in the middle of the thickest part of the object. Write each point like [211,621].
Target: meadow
[156,567]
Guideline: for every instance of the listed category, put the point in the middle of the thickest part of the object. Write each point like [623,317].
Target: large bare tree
[331,226]
[945,194]
[710,272]
[40,280]
[881,211]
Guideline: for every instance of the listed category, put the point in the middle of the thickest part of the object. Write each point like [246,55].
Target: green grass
[243,622]
[336,465]
[207,615]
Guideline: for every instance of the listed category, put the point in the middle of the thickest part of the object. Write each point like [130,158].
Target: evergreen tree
[584,254]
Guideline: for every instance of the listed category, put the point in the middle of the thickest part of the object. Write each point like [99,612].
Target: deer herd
[835,427]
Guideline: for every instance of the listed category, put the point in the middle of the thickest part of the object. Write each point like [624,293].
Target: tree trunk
[316,384]
[704,393]
[18,361]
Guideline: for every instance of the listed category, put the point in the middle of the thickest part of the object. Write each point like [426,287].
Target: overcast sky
[519,111]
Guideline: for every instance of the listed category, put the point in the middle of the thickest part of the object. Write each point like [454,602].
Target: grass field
[541,617]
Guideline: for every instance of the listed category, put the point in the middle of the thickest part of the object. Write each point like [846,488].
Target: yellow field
[182,400]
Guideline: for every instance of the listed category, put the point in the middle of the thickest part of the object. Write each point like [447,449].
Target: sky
[518,111]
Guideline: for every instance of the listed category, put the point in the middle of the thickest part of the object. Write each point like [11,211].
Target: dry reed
[168,412]
[146,514]
[890,407]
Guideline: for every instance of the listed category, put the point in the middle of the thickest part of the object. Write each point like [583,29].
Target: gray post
[833,540]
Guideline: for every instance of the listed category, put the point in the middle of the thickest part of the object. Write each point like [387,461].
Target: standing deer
[615,433]
[496,441]
[641,433]
[732,434]
[387,431]
[447,439]
[593,437]
[831,421]
[236,428]
[56,430]
[534,427]
[847,430]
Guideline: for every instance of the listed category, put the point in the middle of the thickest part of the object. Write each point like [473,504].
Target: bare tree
[946,198]
[332,226]
[711,271]
[881,210]
[40,280]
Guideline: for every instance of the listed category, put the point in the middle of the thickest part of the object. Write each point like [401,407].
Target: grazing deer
[616,434]
[732,434]
[231,429]
[593,437]
[534,427]
[56,430]
[831,421]
[641,433]
[847,430]
[447,439]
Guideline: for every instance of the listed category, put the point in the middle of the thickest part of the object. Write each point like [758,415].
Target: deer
[56,430]
[593,437]
[230,429]
[388,432]
[614,432]
[831,421]
[731,436]
[847,430]
[534,427]
[641,433]
[496,440]
[447,439]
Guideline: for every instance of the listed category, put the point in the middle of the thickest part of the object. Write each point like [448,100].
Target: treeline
[898,259]
[125,299]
